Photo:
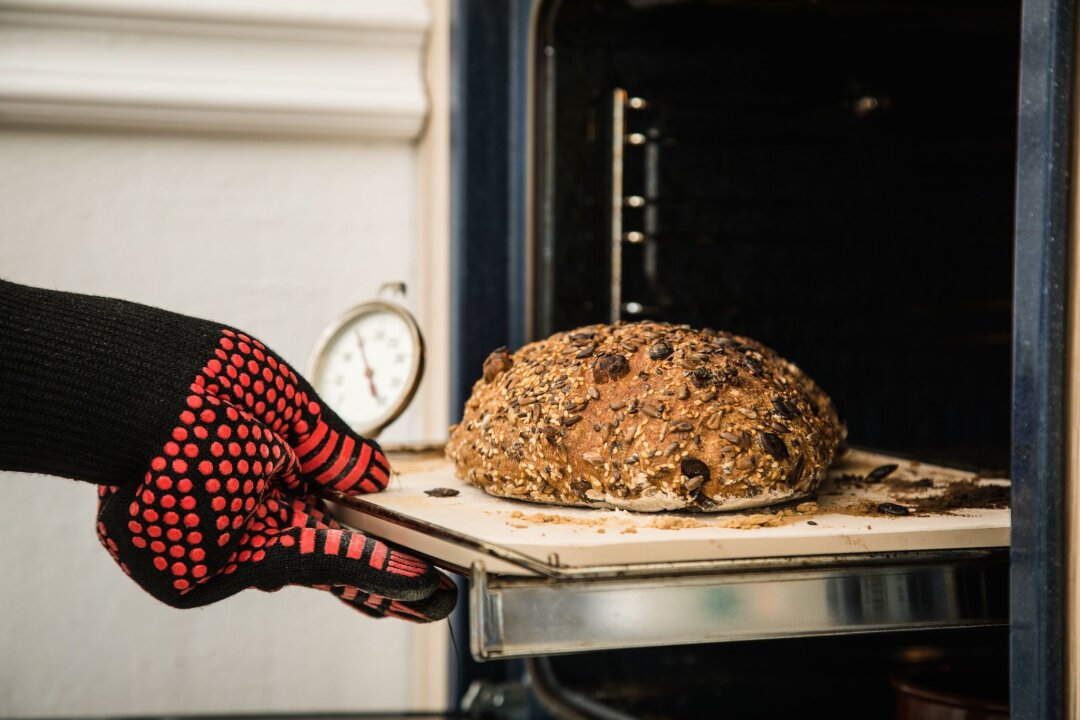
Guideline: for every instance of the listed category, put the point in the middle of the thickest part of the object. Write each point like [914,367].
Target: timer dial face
[367,365]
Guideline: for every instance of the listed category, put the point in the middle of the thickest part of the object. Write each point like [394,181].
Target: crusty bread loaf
[645,416]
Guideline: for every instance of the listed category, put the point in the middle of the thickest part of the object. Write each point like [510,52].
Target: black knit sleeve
[89,385]
[210,453]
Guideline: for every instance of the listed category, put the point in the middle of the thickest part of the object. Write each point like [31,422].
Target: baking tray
[546,580]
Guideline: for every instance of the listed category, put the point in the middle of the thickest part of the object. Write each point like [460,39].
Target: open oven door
[1044,517]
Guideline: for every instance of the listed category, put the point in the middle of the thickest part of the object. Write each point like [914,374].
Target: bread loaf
[648,417]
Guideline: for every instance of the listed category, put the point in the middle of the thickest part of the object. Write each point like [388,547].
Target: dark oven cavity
[834,178]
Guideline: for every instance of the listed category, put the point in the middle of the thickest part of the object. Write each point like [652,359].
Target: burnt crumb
[889,508]
[811,522]
[610,367]
[880,473]
[497,362]
[442,492]
[965,495]
[660,350]
[923,483]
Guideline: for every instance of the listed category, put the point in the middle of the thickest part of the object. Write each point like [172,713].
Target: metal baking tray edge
[563,609]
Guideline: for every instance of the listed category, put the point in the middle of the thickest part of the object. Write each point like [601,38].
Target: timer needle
[368,372]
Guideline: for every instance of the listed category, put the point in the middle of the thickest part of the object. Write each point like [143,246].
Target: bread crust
[648,417]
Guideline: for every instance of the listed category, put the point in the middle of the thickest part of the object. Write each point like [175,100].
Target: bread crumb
[629,531]
[807,507]
[668,522]
[552,519]
[734,522]
[757,520]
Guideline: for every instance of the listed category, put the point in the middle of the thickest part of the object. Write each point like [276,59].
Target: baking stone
[582,537]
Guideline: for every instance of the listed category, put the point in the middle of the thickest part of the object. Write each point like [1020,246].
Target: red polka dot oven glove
[210,453]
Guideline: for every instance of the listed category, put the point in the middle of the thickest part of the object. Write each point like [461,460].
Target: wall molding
[349,68]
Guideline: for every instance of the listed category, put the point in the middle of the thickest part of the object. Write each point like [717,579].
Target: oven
[880,190]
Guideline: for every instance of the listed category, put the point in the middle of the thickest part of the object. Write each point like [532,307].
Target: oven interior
[839,678]
[832,177]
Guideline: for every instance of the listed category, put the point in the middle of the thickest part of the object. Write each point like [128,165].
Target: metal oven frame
[491,207]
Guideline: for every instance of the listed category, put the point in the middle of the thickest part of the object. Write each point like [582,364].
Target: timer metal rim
[415,372]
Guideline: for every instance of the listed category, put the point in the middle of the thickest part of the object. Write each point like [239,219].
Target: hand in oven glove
[209,450]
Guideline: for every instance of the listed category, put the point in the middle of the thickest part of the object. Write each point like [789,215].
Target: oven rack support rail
[555,609]
[513,617]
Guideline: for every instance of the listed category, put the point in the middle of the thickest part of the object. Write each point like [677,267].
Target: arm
[209,450]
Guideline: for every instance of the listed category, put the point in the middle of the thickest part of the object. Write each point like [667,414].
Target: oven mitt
[209,450]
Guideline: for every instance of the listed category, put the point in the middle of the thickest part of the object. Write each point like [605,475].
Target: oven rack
[556,608]
[519,617]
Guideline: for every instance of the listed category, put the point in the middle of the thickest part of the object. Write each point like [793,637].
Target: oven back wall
[275,233]
[797,173]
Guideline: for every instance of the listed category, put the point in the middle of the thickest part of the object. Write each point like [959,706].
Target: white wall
[206,212]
